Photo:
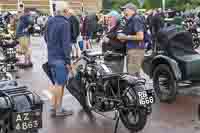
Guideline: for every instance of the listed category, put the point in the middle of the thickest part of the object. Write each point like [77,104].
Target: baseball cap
[130,6]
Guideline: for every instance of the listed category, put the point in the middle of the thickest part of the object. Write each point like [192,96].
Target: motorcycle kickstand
[117,121]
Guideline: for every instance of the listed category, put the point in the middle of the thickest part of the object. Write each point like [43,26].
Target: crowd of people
[128,33]
[20,26]
[62,33]
[66,34]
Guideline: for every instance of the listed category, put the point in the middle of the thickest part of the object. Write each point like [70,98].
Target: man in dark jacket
[58,39]
[75,31]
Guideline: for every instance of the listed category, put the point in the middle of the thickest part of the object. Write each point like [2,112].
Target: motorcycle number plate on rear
[146,97]
[27,121]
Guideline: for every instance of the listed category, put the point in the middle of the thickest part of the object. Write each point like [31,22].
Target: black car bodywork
[172,61]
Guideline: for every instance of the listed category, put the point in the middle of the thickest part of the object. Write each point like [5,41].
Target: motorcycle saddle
[133,80]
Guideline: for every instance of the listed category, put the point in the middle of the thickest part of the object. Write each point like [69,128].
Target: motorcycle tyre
[142,120]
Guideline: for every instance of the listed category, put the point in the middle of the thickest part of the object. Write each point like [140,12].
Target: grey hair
[61,7]
[135,8]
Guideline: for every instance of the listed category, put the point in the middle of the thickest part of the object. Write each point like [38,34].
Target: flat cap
[130,6]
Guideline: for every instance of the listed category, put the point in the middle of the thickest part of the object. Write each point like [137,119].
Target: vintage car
[173,64]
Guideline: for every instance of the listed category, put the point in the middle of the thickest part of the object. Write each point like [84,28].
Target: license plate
[27,121]
[146,97]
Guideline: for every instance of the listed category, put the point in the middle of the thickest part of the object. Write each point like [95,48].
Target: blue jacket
[22,26]
[134,24]
[58,39]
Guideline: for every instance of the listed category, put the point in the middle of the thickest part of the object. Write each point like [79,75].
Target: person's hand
[69,67]
[106,39]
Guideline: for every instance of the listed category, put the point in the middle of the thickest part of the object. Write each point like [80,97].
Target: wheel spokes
[164,83]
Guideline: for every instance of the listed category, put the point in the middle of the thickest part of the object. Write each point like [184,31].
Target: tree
[107,4]
[116,4]
[151,4]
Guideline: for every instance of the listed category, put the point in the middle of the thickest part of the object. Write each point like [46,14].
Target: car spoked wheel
[134,119]
[164,83]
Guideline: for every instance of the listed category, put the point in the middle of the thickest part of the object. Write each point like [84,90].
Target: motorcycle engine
[102,91]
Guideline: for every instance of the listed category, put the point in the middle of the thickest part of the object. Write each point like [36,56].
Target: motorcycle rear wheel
[134,120]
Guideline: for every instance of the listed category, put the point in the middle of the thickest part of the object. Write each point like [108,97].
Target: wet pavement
[179,117]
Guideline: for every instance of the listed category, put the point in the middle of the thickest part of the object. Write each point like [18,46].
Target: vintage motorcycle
[105,91]
[8,57]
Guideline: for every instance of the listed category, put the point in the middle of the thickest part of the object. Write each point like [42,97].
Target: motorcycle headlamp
[198,29]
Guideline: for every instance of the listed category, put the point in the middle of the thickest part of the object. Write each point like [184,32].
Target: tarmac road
[179,117]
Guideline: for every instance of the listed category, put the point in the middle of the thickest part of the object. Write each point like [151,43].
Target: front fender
[162,59]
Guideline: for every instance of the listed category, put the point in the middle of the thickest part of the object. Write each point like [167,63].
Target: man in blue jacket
[58,39]
[133,35]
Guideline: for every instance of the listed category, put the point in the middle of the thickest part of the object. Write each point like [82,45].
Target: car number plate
[27,121]
[146,97]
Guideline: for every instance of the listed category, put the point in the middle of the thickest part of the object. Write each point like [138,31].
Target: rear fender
[161,59]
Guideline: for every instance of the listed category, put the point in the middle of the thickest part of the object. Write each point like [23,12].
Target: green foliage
[151,4]
[116,4]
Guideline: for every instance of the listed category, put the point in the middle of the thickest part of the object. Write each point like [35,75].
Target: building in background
[44,5]
[12,5]
[82,5]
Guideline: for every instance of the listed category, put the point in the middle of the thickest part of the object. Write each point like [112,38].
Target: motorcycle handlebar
[112,54]
[84,58]
[101,54]
[91,59]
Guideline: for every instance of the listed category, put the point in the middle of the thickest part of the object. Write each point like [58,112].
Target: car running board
[188,88]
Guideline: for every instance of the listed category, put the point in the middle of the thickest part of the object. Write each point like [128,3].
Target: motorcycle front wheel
[134,120]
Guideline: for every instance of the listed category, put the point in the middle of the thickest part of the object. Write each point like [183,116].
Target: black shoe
[54,110]
[23,65]
[29,65]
